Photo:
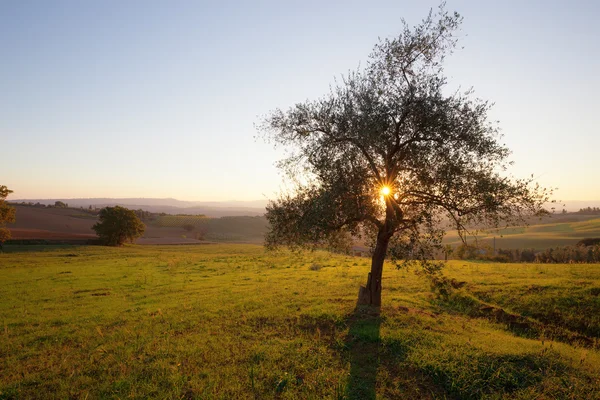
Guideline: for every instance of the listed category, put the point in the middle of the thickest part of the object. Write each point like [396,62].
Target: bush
[118,225]
[569,254]
[485,253]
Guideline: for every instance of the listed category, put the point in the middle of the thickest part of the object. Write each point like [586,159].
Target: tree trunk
[371,293]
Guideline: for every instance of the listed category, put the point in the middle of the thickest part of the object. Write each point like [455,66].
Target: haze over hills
[576,205]
[73,223]
[166,205]
[59,224]
[220,208]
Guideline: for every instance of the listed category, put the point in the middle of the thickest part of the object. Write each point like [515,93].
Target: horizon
[137,198]
[571,205]
[146,100]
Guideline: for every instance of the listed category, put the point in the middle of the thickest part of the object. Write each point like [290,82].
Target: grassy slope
[540,236]
[230,321]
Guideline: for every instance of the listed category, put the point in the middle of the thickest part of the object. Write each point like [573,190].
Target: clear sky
[158,98]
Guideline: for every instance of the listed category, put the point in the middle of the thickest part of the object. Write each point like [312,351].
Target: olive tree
[391,153]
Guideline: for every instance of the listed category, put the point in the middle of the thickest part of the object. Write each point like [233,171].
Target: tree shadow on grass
[370,354]
[364,343]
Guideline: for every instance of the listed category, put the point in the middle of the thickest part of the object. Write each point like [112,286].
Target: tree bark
[371,293]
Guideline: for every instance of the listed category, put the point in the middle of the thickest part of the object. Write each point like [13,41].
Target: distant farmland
[557,231]
[73,223]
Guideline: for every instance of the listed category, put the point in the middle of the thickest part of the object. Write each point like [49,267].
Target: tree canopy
[394,124]
[60,204]
[117,225]
[7,214]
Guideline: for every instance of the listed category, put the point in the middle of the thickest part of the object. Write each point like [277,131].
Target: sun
[385,190]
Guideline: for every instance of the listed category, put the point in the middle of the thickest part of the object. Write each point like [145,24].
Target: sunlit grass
[232,321]
[541,236]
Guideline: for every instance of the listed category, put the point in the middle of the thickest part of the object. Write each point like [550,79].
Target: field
[233,321]
[556,231]
[71,223]
[223,229]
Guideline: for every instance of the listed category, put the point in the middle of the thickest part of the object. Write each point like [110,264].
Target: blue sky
[159,98]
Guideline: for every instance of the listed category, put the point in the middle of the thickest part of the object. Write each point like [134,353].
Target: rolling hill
[557,231]
[72,223]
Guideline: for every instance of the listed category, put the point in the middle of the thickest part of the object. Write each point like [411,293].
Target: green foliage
[394,124]
[7,214]
[117,225]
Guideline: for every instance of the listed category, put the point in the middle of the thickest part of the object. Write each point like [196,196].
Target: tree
[387,153]
[60,204]
[7,215]
[117,225]
[189,227]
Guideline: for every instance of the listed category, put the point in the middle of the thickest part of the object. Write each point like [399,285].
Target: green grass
[235,322]
[539,237]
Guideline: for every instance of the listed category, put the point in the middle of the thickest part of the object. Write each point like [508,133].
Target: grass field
[235,322]
[540,236]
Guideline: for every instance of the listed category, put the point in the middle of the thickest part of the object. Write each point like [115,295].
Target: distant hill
[558,230]
[72,223]
[168,205]
[575,205]
[64,223]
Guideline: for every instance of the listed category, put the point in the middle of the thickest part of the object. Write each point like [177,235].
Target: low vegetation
[234,321]
[560,254]
[589,211]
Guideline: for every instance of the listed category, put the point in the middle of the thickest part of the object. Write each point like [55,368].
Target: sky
[160,98]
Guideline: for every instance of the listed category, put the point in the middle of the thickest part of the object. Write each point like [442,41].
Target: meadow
[236,322]
[558,230]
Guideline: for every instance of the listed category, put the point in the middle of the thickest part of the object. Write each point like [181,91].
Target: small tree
[60,204]
[391,153]
[7,215]
[189,227]
[118,225]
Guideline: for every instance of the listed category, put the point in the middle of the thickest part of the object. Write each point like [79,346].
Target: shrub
[117,225]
